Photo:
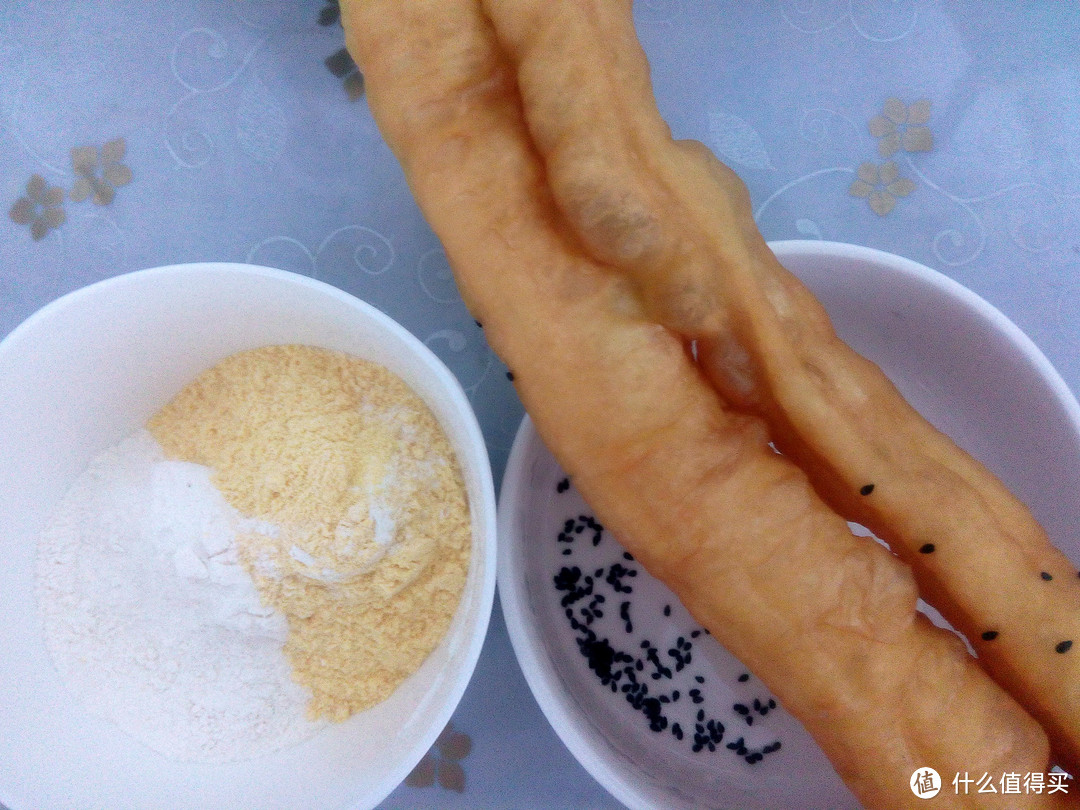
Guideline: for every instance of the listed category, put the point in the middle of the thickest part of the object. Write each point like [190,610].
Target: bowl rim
[951,288]
[562,714]
[565,717]
[451,392]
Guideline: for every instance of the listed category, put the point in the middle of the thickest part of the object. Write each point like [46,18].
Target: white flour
[151,620]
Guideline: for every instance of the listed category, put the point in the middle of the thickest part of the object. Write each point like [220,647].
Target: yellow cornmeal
[372,548]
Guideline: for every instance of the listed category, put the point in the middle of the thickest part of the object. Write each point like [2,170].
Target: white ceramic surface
[86,371]
[957,359]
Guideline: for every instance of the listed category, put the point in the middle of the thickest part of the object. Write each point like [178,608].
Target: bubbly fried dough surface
[689,486]
[679,224]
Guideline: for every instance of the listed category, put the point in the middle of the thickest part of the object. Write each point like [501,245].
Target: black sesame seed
[623,672]
[1047,576]
[738,707]
[510,376]
[772,703]
[563,485]
[989,635]
[479,324]
[1063,647]
[866,489]
[927,549]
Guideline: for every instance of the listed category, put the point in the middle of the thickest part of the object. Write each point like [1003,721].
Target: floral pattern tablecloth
[138,134]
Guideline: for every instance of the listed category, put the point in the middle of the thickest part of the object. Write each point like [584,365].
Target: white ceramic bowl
[89,369]
[966,367]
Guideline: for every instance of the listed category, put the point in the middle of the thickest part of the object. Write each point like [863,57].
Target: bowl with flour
[226,499]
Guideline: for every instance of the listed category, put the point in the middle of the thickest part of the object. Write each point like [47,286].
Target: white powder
[151,620]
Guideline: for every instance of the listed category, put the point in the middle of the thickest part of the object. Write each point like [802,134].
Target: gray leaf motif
[261,124]
[809,229]
[735,141]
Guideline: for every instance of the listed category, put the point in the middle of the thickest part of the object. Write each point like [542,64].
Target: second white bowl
[966,367]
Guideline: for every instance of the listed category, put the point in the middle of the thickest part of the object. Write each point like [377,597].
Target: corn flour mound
[372,537]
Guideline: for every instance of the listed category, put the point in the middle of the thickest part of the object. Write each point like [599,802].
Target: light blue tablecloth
[947,132]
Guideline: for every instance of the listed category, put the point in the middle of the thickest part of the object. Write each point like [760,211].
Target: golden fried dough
[679,224]
[691,488]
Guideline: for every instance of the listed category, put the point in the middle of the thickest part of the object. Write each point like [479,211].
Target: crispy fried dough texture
[560,237]
[679,223]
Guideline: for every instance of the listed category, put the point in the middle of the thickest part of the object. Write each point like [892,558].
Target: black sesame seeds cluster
[660,681]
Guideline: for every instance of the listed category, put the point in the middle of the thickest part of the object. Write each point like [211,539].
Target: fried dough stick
[693,490]
[679,224]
